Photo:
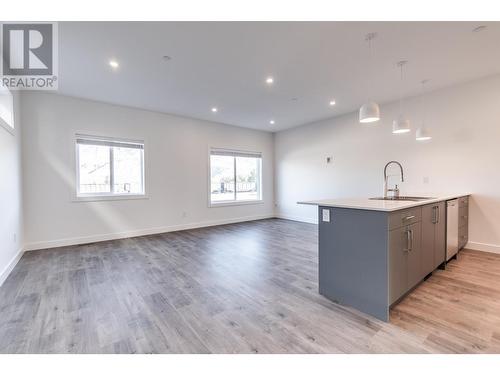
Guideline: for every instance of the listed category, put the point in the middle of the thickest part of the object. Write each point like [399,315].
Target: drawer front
[463,219]
[405,217]
[463,215]
[463,229]
[463,201]
[463,235]
[463,238]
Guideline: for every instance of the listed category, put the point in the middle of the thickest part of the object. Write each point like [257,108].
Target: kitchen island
[372,252]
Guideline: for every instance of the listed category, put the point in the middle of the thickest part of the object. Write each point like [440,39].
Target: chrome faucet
[395,191]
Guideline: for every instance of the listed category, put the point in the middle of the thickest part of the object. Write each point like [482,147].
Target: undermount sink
[402,198]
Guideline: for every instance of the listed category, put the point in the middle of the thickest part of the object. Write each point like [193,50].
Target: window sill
[117,197]
[235,203]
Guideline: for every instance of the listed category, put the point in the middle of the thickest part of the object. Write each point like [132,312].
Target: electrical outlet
[15,237]
[184,214]
[329,159]
[426,180]
[326,215]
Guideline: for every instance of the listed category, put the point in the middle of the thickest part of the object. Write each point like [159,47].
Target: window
[6,109]
[235,176]
[109,167]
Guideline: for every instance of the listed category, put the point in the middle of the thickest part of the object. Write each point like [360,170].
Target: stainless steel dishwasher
[451,228]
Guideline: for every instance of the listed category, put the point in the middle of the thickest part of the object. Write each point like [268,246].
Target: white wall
[11,231]
[463,156]
[176,153]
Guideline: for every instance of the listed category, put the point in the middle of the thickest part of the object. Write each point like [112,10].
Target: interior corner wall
[176,172]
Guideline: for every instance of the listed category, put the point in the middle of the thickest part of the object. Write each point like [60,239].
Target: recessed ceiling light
[214,109]
[332,103]
[271,122]
[269,80]
[479,28]
[114,64]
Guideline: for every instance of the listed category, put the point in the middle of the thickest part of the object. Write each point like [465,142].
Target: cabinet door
[429,219]
[440,235]
[415,274]
[398,268]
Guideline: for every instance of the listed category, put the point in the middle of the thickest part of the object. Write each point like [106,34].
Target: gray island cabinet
[416,248]
[371,255]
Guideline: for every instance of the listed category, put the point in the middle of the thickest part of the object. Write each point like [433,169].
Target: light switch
[326,215]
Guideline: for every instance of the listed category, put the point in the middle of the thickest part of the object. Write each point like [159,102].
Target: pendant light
[401,124]
[370,111]
[423,133]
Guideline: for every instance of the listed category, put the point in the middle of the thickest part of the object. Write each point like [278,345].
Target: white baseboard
[489,248]
[136,233]
[8,269]
[297,218]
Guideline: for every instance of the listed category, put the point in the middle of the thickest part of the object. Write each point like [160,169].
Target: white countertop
[381,205]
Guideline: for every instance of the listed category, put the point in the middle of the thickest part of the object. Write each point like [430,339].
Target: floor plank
[239,288]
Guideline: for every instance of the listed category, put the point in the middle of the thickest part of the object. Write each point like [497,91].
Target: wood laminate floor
[239,288]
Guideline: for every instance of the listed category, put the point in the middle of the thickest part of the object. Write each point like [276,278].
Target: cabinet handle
[409,218]
[438,212]
[411,240]
[407,248]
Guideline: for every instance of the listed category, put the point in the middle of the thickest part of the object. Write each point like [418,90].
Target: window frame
[234,202]
[89,197]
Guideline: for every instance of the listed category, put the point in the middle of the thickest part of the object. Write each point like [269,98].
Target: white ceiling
[225,64]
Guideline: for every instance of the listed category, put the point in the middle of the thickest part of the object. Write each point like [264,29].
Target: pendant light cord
[400,87]
[370,48]
[369,37]
[370,59]
[423,102]
[401,65]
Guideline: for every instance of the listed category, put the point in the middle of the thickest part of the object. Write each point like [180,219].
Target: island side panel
[353,259]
